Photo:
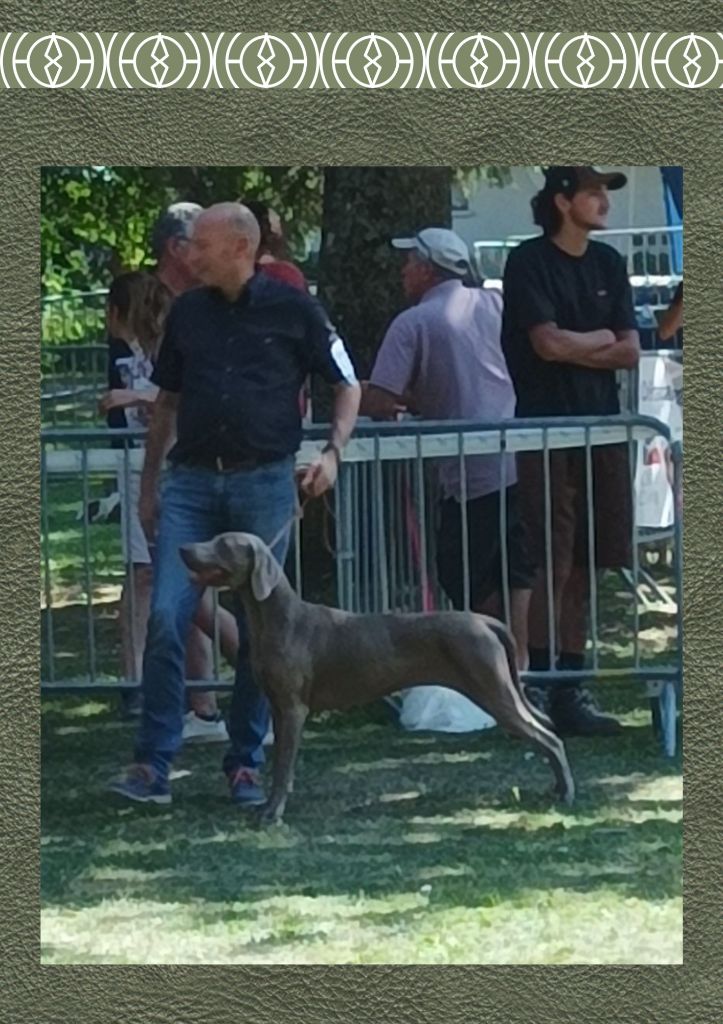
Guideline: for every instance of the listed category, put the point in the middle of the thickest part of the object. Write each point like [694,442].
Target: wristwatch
[331,447]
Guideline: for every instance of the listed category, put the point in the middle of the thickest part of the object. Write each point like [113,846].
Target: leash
[298,513]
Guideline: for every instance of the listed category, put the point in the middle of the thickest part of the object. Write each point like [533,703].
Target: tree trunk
[359,272]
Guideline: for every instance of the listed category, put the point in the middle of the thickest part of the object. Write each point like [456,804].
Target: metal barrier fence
[76,317]
[634,386]
[384,532]
[388,470]
[74,357]
[650,253]
[74,376]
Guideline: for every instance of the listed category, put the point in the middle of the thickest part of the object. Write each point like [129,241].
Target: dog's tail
[508,642]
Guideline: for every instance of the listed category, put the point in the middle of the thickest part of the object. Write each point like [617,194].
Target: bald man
[234,356]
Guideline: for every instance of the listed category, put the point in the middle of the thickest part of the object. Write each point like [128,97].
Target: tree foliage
[96,221]
[359,271]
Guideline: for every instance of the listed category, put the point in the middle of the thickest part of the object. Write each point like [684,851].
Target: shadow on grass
[375,812]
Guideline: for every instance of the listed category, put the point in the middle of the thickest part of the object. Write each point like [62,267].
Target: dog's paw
[565,796]
[266,816]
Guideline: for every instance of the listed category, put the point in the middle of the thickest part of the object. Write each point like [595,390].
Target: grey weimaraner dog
[311,658]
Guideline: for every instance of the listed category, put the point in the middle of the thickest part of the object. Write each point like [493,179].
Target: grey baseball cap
[440,246]
[176,222]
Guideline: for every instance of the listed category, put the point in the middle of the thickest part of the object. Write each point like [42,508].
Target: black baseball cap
[571,179]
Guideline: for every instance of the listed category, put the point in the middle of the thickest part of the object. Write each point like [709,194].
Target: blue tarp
[673,194]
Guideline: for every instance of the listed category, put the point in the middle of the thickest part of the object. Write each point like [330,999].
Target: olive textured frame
[39,127]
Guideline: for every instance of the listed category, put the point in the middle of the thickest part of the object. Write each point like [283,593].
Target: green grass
[397,848]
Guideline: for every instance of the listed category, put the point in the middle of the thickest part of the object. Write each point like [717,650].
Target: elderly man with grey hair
[443,356]
[171,246]
[234,356]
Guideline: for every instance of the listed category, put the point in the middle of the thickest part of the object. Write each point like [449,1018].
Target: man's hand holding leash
[320,476]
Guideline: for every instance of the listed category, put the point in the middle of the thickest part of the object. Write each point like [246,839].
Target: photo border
[461,128]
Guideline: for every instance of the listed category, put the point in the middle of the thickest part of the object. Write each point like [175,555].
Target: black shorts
[612,505]
[484,549]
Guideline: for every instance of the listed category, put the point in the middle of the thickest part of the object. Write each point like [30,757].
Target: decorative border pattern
[371,60]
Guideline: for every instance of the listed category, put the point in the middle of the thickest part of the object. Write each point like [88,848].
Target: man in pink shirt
[442,358]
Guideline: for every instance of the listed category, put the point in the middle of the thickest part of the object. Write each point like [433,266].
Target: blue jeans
[197,504]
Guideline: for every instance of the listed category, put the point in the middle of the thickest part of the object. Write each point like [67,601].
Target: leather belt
[224,464]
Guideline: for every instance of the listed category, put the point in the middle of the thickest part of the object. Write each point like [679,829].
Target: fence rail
[653,255]
[384,517]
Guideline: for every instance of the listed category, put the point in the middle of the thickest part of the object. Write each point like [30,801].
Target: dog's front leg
[288,724]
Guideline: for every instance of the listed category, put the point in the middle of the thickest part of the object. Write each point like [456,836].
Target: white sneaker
[199,730]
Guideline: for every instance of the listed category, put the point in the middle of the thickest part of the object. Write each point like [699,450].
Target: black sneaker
[575,713]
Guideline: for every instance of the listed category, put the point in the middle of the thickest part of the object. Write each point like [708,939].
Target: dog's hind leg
[507,641]
[526,726]
[509,709]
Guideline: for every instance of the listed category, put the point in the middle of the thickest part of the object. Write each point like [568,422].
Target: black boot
[539,696]
[574,712]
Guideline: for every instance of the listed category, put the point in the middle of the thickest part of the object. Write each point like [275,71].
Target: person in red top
[273,251]
[271,257]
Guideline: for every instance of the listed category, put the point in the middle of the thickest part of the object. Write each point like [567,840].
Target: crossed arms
[598,350]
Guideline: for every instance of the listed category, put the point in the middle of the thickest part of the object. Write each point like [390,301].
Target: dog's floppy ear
[266,572]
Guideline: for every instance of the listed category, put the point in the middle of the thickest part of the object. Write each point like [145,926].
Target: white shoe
[199,730]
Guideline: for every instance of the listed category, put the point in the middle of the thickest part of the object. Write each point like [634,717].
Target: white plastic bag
[439,709]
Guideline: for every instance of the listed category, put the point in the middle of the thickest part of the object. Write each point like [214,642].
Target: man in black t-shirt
[568,325]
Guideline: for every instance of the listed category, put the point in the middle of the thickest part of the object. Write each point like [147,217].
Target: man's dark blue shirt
[238,367]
